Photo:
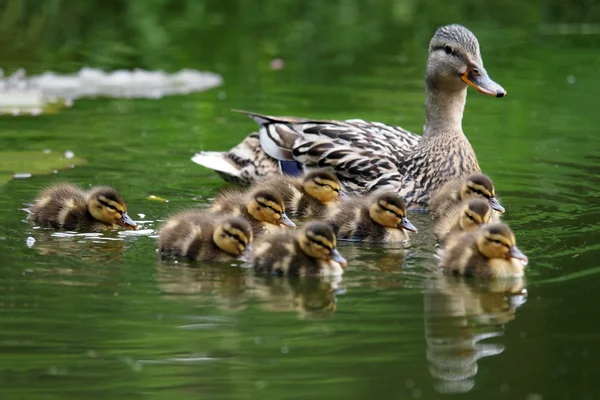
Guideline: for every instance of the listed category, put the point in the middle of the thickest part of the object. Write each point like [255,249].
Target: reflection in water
[231,287]
[459,314]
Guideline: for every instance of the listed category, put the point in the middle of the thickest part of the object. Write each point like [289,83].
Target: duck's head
[323,185]
[268,207]
[481,185]
[233,235]
[106,205]
[475,213]
[389,210]
[317,240]
[455,61]
[498,241]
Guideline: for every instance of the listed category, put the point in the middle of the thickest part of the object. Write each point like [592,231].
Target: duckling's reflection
[92,247]
[459,314]
[232,288]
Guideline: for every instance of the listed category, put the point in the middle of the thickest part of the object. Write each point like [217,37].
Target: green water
[101,317]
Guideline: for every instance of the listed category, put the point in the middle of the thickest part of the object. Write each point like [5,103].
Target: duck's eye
[476,71]
[448,49]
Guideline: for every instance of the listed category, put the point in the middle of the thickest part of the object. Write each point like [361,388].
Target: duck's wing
[359,151]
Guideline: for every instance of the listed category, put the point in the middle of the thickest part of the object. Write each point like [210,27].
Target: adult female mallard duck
[263,208]
[490,251]
[205,236]
[68,207]
[309,251]
[464,217]
[312,196]
[460,189]
[369,156]
[379,218]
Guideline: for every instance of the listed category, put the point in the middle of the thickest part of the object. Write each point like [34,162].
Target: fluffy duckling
[458,190]
[490,251]
[464,217]
[311,196]
[379,218]
[205,236]
[263,208]
[69,207]
[309,251]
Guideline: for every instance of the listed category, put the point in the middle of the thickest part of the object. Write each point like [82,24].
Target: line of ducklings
[264,214]
[467,224]
[465,210]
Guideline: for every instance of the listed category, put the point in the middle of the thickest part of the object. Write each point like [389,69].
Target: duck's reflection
[459,315]
[234,288]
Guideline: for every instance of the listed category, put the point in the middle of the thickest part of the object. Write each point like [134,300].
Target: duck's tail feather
[242,165]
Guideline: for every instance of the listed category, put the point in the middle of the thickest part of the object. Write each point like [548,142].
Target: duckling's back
[447,225]
[351,221]
[462,257]
[445,198]
[280,254]
[289,188]
[61,206]
[189,234]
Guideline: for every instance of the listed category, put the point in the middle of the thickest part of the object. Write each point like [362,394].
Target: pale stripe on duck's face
[269,210]
[232,239]
[323,189]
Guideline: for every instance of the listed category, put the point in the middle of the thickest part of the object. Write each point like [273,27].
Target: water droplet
[417,393]
[257,340]
[409,383]
[571,80]
[69,154]
[285,350]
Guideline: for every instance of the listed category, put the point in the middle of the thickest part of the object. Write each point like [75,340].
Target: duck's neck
[444,110]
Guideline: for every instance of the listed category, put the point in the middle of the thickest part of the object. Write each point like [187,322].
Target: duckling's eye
[498,242]
[448,49]
[470,218]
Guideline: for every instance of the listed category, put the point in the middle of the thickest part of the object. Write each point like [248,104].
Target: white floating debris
[142,216]
[69,154]
[22,175]
[30,242]
[22,95]
[139,232]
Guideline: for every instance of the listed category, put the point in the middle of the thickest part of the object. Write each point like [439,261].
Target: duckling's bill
[337,257]
[407,225]
[478,79]
[496,205]
[285,220]
[127,222]
[518,254]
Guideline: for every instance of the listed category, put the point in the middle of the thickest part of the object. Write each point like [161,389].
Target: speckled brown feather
[280,254]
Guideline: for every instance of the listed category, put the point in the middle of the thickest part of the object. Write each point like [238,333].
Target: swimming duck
[370,156]
[68,207]
[464,217]
[460,189]
[205,236]
[263,208]
[309,251]
[379,218]
[311,196]
[490,251]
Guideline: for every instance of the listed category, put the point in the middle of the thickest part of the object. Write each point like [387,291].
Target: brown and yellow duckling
[311,196]
[464,188]
[205,236]
[68,207]
[310,251]
[379,218]
[464,217]
[490,251]
[263,208]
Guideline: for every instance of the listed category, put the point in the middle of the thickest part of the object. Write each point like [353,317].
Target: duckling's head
[233,235]
[106,205]
[389,210]
[268,207]
[317,240]
[480,185]
[475,213]
[498,241]
[455,62]
[322,185]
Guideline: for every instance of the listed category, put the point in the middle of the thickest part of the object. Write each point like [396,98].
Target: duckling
[464,188]
[464,217]
[263,208]
[490,251]
[311,196]
[205,236]
[309,251]
[68,207]
[380,218]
